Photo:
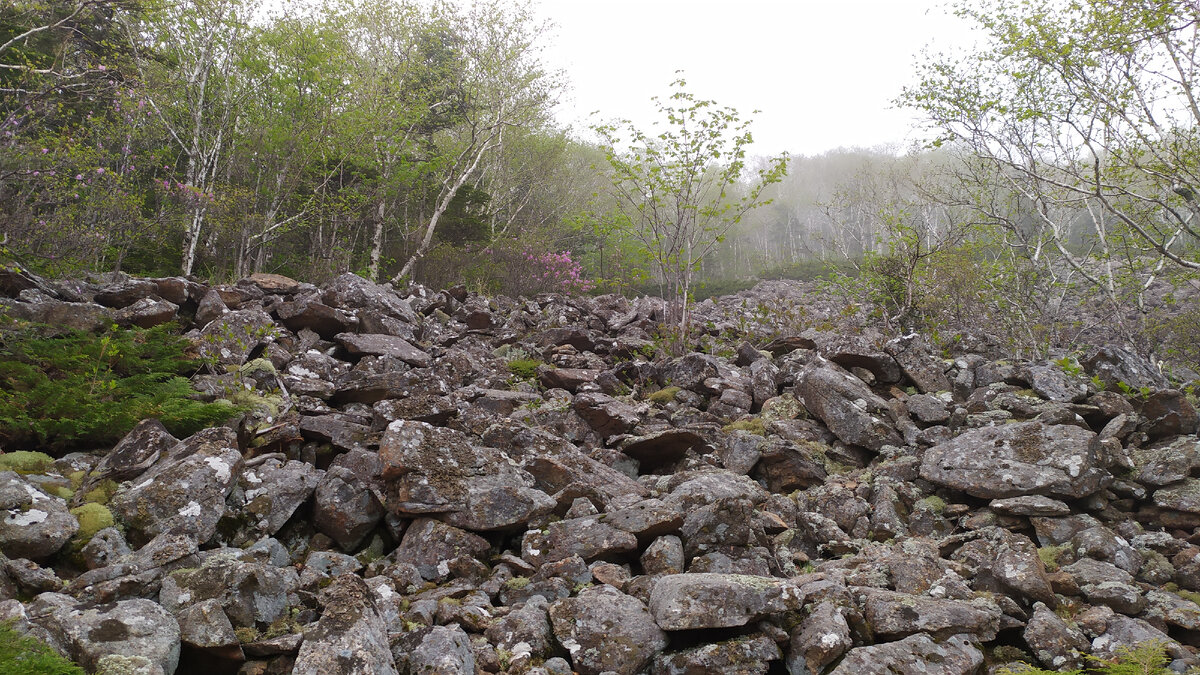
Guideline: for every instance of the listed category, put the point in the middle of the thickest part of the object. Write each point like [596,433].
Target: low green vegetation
[26,462]
[1149,659]
[526,369]
[663,396]
[84,389]
[26,655]
[1050,556]
[753,425]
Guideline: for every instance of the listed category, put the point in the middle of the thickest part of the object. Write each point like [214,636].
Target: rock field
[802,498]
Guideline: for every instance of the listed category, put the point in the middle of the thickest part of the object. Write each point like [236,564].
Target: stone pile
[397,500]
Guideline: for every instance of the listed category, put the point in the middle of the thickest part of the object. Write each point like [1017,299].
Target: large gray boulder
[350,638]
[184,492]
[1024,458]
[958,655]
[251,593]
[138,635]
[690,601]
[434,470]
[33,524]
[854,413]
[606,631]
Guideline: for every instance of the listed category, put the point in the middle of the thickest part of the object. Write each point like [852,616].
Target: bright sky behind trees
[823,73]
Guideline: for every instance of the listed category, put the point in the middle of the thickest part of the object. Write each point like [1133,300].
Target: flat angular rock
[146,313]
[208,463]
[690,601]
[445,650]
[434,470]
[360,344]
[309,312]
[138,632]
[33,524]
[524,632]
[894,615]
[589,538]
[271,492]
[1169,413]
[1052,383]
[61,316]
[250,593]
[915,359]
[430,545]
[1013,460]
[747,655]
[1030,505]
[125,293]
[647,519]
[350,638]
[847,406]
[606,415]
[1182,496]
[345,507]
[1115,365]
[820,638]
[350,291]
[1166,463]
[605,630]
[958,655]
[661,448]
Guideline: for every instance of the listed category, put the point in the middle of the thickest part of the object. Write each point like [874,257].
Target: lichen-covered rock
[957,655]
[184,492]
[128,629]
[893,615]
[249,592]
[1013,460]
[1182,496]
[360,344]
[689,601]
[525,632]
[606,630]
[33,524]
[350,638]
[229,339]
[434,470]
[746,655]
[1054,643]
[1116,366]
[268,495]
[430,545]
[345,505]
[820,638]
[1165,463]
[204,628]
[445,650]
[589,538]
[854,413]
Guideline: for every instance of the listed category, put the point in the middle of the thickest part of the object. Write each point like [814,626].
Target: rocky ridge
[813,500]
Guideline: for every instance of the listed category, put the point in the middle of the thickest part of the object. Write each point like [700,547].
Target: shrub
[525,369]
[1149,659]
[85,389]
[26,655]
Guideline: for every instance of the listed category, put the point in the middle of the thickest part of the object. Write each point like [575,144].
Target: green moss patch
[26,462]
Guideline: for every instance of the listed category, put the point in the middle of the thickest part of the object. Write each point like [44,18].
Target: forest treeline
[415,140]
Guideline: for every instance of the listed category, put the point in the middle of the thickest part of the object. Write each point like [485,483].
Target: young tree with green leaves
[685,186]
[1082,120]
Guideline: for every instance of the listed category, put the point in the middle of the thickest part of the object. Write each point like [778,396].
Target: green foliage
[932,503]
[1149,659]
[92,518]
[83,389]
[26,462]
[26,655]
[663,396]
[525,368]
[753,425]
[1050,556]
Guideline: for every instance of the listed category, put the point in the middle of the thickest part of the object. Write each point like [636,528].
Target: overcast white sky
[823,73]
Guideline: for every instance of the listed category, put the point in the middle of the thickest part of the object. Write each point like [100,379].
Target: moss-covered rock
[26,462]
[92,518]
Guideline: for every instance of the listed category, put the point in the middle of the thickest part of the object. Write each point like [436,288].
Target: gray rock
[915,359]
[433,470]
[1115,365]
[345,507]
[430,545]
[207,463]
[689,601]
[957,655]
[1013,460]
[664,556]
[249,592]
[1030,505]
[204,627]
[646,519]
[375,303]
[847,406]
[445,650]
[589,538]
[211,307]
[1054,643]
[384,345]
[270,493]
[146,313]
[606,630]
[524,632]
[138,632]
[62,316]
[820,638]
[1124,632]
[1052,383]
[1162,464]
[1169,413]
[893,615]
[606,415]
[1183,496]
[350,638]
[746,655]
[309,312]
[33,524]
[1172,609]
[229,339]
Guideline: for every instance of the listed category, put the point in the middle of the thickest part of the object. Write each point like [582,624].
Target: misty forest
[326,346]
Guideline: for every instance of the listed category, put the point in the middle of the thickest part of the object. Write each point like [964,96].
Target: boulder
[138,634]
[33,524]
[957,655]
[1024,458]
[846,405]
[605,630]
[350,638]
[690,601]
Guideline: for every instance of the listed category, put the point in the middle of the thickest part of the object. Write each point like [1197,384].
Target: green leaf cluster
[26,655]
[85,389]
